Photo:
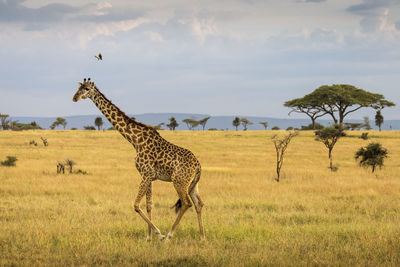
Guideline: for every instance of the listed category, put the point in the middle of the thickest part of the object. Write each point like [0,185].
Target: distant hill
[218,122]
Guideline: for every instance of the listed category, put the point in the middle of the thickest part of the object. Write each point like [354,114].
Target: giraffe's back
[167,158]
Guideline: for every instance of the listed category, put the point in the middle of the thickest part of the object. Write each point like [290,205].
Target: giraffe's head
[85,90]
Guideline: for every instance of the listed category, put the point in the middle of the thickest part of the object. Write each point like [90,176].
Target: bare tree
[60,167]
[281,145]
[70,164]
[44,140]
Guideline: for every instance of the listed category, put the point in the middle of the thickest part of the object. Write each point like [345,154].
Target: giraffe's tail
[177,205]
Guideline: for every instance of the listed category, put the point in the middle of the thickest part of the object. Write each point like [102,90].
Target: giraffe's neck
[128,127]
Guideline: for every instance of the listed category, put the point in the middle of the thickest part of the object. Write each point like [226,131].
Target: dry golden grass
[312,217]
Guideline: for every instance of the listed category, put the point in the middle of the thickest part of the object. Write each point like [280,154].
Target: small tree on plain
[60,167]
[244,123]
[172,124]
[236,122]
[203,122]
[329,137]
[281,145]
[379,119]
[372,155]
[4,121]
[191,123]
[98,122]
[44,140]
[158,126]
[366,125]
[57,122]
[70,163]
[265,124]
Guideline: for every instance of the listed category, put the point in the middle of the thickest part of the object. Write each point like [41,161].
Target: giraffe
[156,159]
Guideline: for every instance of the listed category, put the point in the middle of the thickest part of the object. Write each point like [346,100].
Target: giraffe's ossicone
[156,159]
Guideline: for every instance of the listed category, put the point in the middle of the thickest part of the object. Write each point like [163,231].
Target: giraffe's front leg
[144,186]
[149,206]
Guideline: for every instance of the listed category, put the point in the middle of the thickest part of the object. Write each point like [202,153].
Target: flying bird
[99,57]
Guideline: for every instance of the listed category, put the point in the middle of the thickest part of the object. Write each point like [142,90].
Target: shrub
[317,126]
[10,161]
[275,128]
[364,136]
[371,155]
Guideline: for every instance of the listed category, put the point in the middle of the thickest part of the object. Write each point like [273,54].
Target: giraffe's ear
[79,84]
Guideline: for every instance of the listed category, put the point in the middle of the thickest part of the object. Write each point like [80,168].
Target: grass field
[312,217]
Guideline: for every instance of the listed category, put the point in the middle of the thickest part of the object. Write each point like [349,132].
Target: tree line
[336,101]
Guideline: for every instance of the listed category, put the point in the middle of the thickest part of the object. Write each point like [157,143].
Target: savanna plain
[311,217]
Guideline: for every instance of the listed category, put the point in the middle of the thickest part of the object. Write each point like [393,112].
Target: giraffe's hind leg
[181,184]
[198,204]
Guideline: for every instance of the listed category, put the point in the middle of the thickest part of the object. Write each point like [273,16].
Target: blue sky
[212,57]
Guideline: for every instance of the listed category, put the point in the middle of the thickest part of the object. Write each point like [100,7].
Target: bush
[275,128]
[89,127]
[364,136]
[10,161]
[371,155]
[289,128]
[318,126]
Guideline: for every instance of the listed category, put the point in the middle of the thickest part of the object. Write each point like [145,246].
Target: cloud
[311,1]
[397,24]
[374,14]
[14,11]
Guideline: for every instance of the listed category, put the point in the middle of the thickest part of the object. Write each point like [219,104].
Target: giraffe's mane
[126,116]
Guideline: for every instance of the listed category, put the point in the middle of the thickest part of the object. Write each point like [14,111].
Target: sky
[226,57]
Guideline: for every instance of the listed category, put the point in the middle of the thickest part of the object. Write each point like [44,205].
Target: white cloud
[154,36]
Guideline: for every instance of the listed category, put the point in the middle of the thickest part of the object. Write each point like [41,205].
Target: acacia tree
[306,105]
[158,126]
[172,124]
[191,123]
[236,122]
[379,119]
[244,123]
[371,155]
[281,145]
[98,122]
[59,121]
[329,137]
[339,100]
[203,122]
[265,124]
[4,121]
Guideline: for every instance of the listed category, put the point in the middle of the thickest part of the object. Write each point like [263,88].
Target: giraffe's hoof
[161,237]
[169,236]
[148,239]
